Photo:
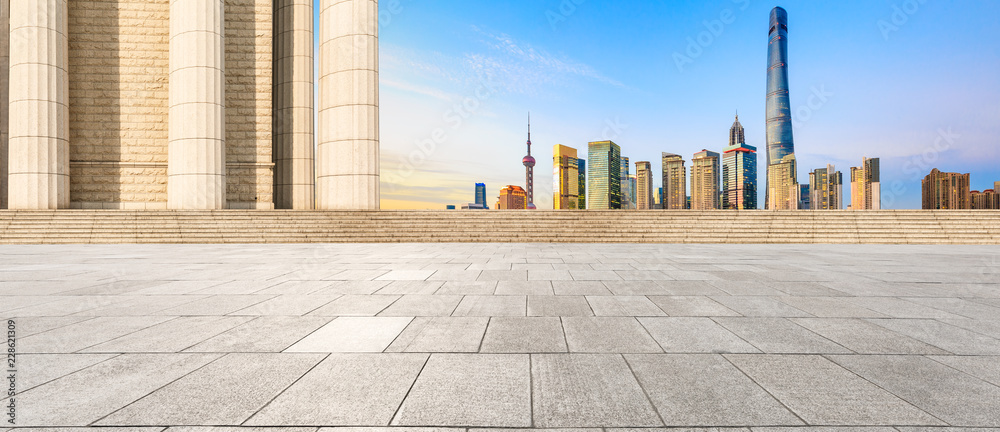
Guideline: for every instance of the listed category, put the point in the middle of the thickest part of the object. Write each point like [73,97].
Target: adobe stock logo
[714,29]
[900,16]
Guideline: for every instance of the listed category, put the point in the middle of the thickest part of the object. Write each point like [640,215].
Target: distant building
[644,186]
[449,207]
[705,181]
[582,184]
[826,186]
[988,199]
[866,191]
[481,195]
[604,183]
[513,198]
[674,182]
[805,198]
[739,171]
[783,189]
[632,191]
[946,191]
[566,178]
[996,186]
[658,199]
[626,192]
[474,206]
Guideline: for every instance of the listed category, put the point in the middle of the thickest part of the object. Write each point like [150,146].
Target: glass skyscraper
[604,187]
[581,200]
[481,195]
[739,171]
[566,177]
[779,112]
[626,191]
[674,182]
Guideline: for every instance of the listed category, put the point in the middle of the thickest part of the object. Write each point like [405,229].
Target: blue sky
[913,82]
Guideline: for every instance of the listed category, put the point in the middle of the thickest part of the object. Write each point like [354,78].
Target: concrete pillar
[39,109]
[294,158]
[347,163]
[4,85]
[196,154]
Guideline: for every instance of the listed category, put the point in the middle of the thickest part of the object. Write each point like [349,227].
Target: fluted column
[196,154]
[347,163]
[4,100]
[294,164]
[39,110]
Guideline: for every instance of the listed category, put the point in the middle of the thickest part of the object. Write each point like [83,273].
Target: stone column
[294,158]
[39,110]
[4,100]
[347,164]
[196,154]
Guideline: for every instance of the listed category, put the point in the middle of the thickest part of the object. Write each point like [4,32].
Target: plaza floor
[533,336]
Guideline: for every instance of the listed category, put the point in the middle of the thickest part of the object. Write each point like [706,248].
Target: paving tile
[467,288]
[92,393]
[624,306]
[689,288]
[705,390]
[345,389]
[531,288]
[947,337]
[418,305]
[216,305]
[694,335]
[559,306]
[441,334]
[226,391]
[11,303]
[779,336]
[470,390]
[503,275]
[694,306]
[594,275]
[298,287]
[524,335]
[830,307]
[352,288]
[950,395]
[406,275]
[959,306]
[264,334]
[588,390]
[747,288]
[986,368]
[287,305]
[29,326]
[864,337]
[410,287]
[549,275]
[583,288]
[635,288]
[239,287]
[352,335]
[821,392]
[760,306]
[356,305]
[85,334]
[37,369]
[490,306]
[455,275]
[357,275]
[608,335]
[899,308]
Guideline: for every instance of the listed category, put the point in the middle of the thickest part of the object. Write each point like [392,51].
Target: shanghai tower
[779,113]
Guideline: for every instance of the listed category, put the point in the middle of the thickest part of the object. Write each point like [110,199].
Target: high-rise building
[739,171]
[481,195]
[865,187]
[566,178]
[658,199]
[705,181]
[632,191]
[674,182]
[780,143]
[946,191]
[826,187]
[512,198]
[529,170]
[783,190]
[644,186]
[604,183]
[985,200]
[996,186]
[805,198]
[626,194]
[582,184]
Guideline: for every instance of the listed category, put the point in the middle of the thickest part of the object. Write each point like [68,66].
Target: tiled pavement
[415,336]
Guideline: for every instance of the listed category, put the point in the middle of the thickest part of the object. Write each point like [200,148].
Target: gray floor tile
[225,392]
[689,288]
[345,389]
[608,335]
[170,337]
[29,326]
[410,287]
[899,308]
[216,305]
[959,306]
[864,337]
[623,306]
[491,306]
[705,390]
[406,275]
[780,336]
[467,288]
[441,334]
[691,306]
[694,335]
[298,288]
[554,306]
[470,390]
[549,275]
[264,334]
[36,369]
[821,392]
[352,288]
[577,288]
[455,275]
[356,305]
[85,334]
[530,288]
[635,288]
[352,335]
[503,275]
[747,288]
[829,307]
[986,368]
[947,337]
[287,305]
[419,305]
[524,335]
[760,306]
[594,275]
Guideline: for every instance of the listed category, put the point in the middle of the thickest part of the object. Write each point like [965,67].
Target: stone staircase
[654,226]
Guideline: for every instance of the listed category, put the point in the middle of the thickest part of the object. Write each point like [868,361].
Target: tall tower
[779,112]
[529,170]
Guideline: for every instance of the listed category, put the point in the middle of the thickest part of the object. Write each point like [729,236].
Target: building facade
[566,178]
[581,201]
[866,191]
[946,191]
[985,200]
[604,184]
[783,190]
[674,182]
[626,184]
[209,106]
[705,181]
[512,198]
[780,143]
[644,186]
[739,171]
[481,195]
[826,187]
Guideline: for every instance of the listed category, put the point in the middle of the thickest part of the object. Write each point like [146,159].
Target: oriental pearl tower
[529,171]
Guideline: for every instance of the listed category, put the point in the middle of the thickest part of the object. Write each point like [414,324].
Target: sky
[915,83]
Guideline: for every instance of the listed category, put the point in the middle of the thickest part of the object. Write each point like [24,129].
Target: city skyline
[562,86]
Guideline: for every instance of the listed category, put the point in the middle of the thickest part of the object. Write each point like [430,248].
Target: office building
[705,181]
[481,195]
[604,183]
[826,187]
[449,207]
[582,184]
[644,186]
[566,178]
[739,171]
[674,182]
[632,191]
[658,199]
[474,206]
[946,191]
[512,198]
[626,184]
[805,200]
[780,143]
[866,191]
[783,190]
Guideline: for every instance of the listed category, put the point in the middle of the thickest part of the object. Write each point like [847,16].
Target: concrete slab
[864,337]
[947,337]
[216,305]
[691,306]
[352,335]
[356,305]
[462,287]
[623,306]
[170,337]
[985,368]
[418,305]
[578,288]
[491,306]
[760,306]
[37,369]
[694,335]
[524,335]
[608,335]
[780,336]
[287,305]
[410,287]
[85,334]
[528,288]
[263,334]
[441,334]
[558,306]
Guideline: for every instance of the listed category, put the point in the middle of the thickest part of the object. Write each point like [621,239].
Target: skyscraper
[658,198]
[626,193]
[985,200]
[674,182]
[566,178]
[782,189]
[866,193]
[604,189]
[529,170]
[946,191]
[512,198]
[633,182]
[644,185]
[780,143]
[739,171]
[705,181]
[481,195]
[582,184]
[826,189]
